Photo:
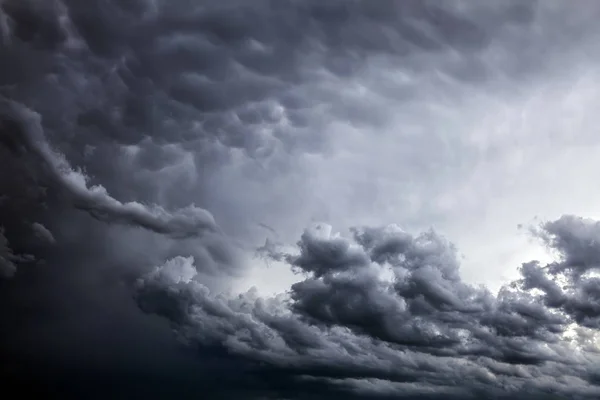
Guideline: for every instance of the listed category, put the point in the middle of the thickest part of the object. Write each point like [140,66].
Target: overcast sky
[294,199]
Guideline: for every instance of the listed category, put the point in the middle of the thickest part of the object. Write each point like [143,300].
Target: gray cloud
[29,136]
[145,133]
[8,258]
[413,331]
[43,233]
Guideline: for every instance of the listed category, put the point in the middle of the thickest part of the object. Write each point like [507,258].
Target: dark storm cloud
[168,90]
[135,112]
[404,324]
[43,233]
[8,258]
[28,136]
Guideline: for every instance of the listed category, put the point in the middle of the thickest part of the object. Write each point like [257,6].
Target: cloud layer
[385,312]
[149,146]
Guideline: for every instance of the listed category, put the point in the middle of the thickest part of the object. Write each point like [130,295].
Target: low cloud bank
[386,312]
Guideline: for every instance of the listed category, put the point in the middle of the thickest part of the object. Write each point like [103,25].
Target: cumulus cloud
[385,312]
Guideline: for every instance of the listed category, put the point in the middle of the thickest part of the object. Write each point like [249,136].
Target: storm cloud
[148,148]
[387,313]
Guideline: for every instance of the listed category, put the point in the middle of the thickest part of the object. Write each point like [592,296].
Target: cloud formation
[385,312]
[8,259]
[148,146]
[95,199]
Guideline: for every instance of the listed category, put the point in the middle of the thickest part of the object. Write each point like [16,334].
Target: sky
[285,199]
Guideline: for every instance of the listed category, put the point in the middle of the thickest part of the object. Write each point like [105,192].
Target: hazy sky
[294,199]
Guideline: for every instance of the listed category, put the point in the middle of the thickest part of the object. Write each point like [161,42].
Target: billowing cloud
[95,199]
[386,313]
